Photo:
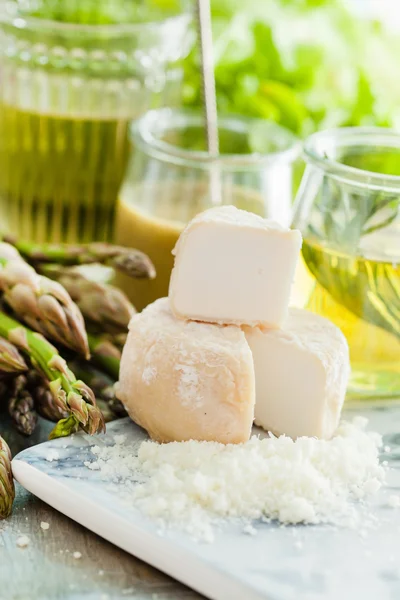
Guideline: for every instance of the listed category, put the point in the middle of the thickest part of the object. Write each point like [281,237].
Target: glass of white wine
[347,209]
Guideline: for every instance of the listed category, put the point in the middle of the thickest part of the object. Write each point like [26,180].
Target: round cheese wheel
[183,380]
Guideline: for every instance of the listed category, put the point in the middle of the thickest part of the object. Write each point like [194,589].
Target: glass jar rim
[10,15]
[144,132]
[317,146]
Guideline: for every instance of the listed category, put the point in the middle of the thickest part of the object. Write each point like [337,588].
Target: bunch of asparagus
[61,337]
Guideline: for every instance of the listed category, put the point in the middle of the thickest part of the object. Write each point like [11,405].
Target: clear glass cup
[347,209]
[170,175]
[69,91]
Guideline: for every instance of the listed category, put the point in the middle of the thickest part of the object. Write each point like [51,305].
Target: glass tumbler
[73,75]
[170,175]
[347,209]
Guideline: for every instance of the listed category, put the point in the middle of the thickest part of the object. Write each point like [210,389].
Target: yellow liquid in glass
[60,176]
[361,295]
[157,238]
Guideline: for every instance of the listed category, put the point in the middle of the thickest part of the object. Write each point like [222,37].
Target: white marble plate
[279,563]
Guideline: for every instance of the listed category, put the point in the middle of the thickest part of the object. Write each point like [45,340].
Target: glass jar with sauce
[169,176]
[73,76]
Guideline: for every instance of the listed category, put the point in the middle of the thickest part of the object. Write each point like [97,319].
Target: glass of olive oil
[348,210]
[170,177]
[74,73]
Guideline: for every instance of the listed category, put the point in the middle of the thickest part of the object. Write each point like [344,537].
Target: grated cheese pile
[193,485]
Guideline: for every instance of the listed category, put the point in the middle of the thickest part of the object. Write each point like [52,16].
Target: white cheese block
[232,266]
[183,380]
[301,375]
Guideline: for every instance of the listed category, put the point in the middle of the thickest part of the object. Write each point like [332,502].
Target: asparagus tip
[7,489]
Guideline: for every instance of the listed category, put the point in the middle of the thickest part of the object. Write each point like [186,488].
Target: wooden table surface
[46,568]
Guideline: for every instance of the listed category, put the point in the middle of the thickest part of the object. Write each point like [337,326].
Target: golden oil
[361,295]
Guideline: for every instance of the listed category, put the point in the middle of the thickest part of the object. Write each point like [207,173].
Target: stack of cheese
[224,349]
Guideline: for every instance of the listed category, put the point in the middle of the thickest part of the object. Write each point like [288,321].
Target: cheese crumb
[77,555]
[249,529]
[44,525]
[393,501]
[120,439]
[23,541]
[52,455]
[193,485]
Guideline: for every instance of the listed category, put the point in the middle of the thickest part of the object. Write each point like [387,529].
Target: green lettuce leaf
[305,64]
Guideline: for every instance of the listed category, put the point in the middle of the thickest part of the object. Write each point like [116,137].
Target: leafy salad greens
[305,64]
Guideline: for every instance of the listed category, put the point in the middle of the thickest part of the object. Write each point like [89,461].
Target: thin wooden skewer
[209,94]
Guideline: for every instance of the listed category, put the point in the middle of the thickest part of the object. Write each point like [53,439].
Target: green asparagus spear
[116,340]
[41,303]
[21,406]
[105,354]
[96,379]
[100,303]
[101,384]
[7,490]
[72,395]
[38,389]
[119,339]
[130,261]
[11,360]
[45,404]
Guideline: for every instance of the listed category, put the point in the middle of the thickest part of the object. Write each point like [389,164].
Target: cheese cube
[183,380]
[301,375]
[232,266]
